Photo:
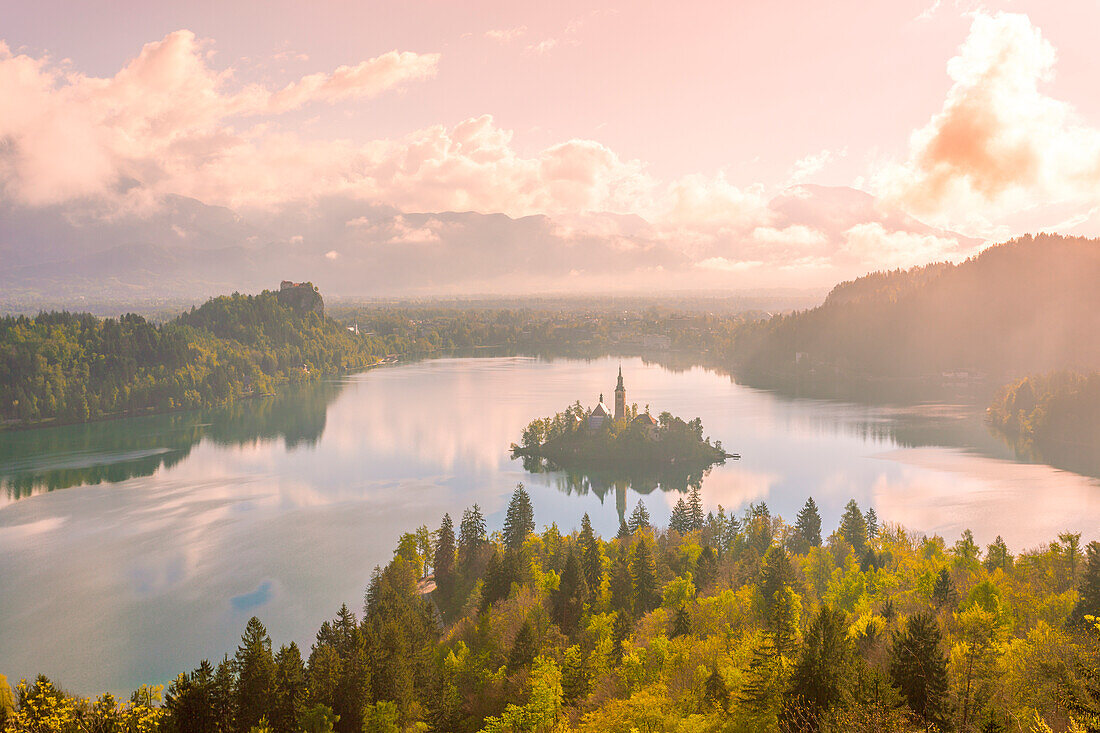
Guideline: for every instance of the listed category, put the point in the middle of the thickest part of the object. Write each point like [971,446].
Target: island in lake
[625,443]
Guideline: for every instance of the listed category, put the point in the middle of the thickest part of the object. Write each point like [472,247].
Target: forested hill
[72,367]
[1029,305]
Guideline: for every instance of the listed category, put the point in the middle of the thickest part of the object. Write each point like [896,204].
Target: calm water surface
[131,550]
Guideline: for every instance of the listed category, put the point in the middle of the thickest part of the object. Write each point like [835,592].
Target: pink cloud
[999,144]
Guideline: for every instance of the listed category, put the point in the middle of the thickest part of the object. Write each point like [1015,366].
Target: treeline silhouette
[1029,305]
[717,623]
[1055,409]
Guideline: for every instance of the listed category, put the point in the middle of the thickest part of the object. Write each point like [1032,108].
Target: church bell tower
[620,397]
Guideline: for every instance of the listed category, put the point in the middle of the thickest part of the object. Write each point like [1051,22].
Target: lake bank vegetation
[720,622]
[638,442]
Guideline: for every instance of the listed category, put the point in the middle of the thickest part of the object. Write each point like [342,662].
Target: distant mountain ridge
[1029,305]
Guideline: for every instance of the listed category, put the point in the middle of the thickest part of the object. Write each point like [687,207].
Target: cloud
[872,244]
[811,164]
[506,35]
[999,145]
[164,116]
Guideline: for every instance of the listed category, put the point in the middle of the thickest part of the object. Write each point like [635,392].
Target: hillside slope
[1029,305]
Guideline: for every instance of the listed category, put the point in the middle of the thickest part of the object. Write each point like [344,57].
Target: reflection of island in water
[45,459]
[603,482]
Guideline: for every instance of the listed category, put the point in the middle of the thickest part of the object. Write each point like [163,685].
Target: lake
[132,549]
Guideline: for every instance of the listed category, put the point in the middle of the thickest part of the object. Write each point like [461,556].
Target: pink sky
[966,122]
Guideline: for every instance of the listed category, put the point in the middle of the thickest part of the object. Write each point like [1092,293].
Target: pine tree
[943,591]
[290,690]
[853,527]
[190,705]
[639,518]
[817,681]
[524,649]
[591,556]
[620,632]
[643,574]
[574,675]
[621,586]
[918,669]
[706,568]
[224,694]
[679,521]
[443,561]
[808,525]
[998,556]
[567,602]
[520,520]
[624,530]
[715,692]
[471,535]
[255,675]
[695,508]
[872,523]
[681,623]
[1088,604]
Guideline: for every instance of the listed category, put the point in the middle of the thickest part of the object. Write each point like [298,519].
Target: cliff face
[302,297]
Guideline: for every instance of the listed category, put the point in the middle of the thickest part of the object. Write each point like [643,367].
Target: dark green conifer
[943,591]
[1088,603]
[643,574]
[872,523]
[639,518]
[520,520]
[998,556]
[524,649]
[681,623]
[918,668]
[255,675]
[807,527]
[715,692]
[621,586]
[853,527]
[443,561]
[679,521]
[567,602]
[817,681]
[591,556]
[695,508]
[290,690]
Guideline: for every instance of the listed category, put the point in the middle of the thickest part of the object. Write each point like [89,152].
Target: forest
[74,367]
[1055,409]
[716,623]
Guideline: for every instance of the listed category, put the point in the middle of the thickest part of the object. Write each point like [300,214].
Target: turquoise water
[132,549]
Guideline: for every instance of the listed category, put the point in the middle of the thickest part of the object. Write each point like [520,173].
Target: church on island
[600,414]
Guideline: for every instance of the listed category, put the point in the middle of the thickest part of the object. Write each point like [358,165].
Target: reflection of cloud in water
[1026,504]
[730,489]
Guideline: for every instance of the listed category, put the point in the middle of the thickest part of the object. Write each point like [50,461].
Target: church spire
[620,396]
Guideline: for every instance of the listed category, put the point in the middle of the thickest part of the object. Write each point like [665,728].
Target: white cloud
[505,35]
[999,146]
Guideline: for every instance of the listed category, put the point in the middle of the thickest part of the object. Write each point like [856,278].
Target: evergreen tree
[190,705]
[998,556]
[706,568]
[679,521]
[255,675]
[943,591]
[643,574]
[567,602]
[443,560]
[681,623]
[524,649]
[918,668]
[471,535]
[639,518]
[776,573]
[575,675]
[1088,604]
[290,690]
[224,695]
[520,520]
[695,508]
[965,548]
[808,526]
[624,530]
[621,586]
[620,632]
[715,692]
[817,681]
[591,556]
[853,527]
[872,523]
